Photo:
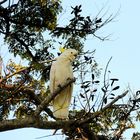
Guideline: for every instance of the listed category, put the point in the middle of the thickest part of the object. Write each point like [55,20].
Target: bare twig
[47,61]
[105,82]
[106,72]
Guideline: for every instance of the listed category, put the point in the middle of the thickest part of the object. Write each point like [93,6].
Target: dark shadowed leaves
[85,85]
[105,100]
[92,97]
[98,20]
[87,90]
[103,90]
[112,94]
[94,90]
[86,58]
[111,98]
[115,88]
[96,82]
[82,96]
[138,93]
[93,76]
[76,10]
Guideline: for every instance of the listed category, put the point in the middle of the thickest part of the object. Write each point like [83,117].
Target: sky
[123,46]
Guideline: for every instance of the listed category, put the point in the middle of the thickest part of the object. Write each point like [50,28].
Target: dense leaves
[31,31]
[23,23]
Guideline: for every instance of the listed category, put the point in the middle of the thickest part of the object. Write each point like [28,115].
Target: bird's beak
[75,55]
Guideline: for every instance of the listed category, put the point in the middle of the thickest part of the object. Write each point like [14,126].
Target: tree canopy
[31,30]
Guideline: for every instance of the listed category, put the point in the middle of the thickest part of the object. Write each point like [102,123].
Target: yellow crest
[61,49]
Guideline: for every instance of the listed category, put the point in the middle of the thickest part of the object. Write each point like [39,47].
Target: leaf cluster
[96,110]
[23,23]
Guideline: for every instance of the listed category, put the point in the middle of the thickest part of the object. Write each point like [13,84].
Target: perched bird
[61,71]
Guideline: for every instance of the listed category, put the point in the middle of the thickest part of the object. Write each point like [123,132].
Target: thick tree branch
[51,96]
[115,100]
[33,122]
[43,124]
[15,124]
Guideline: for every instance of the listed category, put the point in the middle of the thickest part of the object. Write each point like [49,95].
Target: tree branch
[11,75]
[43,124]
[97,113]
[33,122]
[115,100]
[51,96]
[15,123]
[105,86]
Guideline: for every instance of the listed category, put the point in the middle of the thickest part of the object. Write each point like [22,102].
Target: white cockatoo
[61,71]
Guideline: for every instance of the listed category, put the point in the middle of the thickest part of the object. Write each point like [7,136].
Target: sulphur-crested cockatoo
[61,71]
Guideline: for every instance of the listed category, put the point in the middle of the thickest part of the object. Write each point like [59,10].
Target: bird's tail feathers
[61,113]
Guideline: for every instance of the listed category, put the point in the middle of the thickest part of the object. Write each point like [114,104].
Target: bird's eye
[71,52]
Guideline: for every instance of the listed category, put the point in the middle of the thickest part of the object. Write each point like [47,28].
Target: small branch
[102,38]
[47,61]
[115,100]
[51,96]
[106,72]
[105,81]
[48,136]
[103,109]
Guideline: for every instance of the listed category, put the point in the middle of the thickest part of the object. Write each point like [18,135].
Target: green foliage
[23,23]
[31,31]
[79,26]
[17,89]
